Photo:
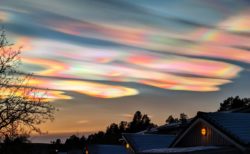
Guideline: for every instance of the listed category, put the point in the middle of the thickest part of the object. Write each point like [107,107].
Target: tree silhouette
[112,134]
[234,103]
[183,118]
[123,126]
[137,117]
[114,131]
[97,138]
[20,105]
[139,123]
[145,122]
[73,142]
[171,120]
[17,139]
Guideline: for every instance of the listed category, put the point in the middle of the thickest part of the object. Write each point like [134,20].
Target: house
[106,149]
[207,133]
[136,143]
[212,133]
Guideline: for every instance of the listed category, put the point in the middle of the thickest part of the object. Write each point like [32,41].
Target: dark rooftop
[190,150]
[235,125]
[140,142]
[106,149]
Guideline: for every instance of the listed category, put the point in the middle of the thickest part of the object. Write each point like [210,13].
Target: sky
[103,60]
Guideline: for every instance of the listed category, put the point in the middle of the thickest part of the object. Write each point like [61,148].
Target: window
[127,146]
[203,131]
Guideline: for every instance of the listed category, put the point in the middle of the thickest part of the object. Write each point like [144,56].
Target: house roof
[241,110]
[187,150]
[174,126]
[234,125]
[140,142]
[106,149]
[170,129]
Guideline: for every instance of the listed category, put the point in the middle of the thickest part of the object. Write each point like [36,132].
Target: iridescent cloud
[157,56]
[192,57]
[84,87]
[3,16]
[34,94]
[52,67]
[238,23]
[167,72]
[212,41]
[220,37]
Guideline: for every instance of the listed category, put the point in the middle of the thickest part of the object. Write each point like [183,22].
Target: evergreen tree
[234,103]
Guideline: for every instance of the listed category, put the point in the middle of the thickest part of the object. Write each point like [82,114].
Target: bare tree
[20,105]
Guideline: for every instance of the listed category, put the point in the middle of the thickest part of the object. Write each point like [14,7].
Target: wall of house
[195,138]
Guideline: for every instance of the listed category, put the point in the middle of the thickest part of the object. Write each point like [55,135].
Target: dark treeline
[113,133]
[139,122]
[232,103]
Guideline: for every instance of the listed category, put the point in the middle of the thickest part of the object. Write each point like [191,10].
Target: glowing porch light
[204,131]
[127,146]
[86,150]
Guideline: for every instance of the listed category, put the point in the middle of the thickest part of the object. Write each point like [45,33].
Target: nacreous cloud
[73,47]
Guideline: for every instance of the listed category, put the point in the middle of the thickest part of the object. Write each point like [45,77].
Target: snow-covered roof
[187,150]
[140,142]
[241,110]
[172,126]
[234,125]
[106,149]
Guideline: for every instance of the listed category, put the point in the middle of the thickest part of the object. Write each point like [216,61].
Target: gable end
[192,136]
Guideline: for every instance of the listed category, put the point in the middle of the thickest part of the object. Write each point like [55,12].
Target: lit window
[86,150]
[203,131]
[127,146]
